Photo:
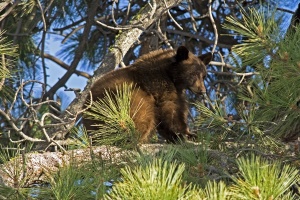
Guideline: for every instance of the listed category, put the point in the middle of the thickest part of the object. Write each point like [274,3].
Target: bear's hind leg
[143,115]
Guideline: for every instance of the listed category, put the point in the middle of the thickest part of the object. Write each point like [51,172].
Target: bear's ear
[182,54]
[206,58]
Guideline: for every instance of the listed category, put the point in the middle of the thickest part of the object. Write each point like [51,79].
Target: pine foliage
[158,180]
[115,125]
[161,178]
[8,52]
[262,179]
[275,93]
[259,31]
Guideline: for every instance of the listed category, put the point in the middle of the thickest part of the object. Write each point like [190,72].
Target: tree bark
[28,169]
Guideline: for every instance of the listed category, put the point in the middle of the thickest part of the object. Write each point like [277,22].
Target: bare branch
[169,14]
[70,25]
[199,37]
[3,63]
[43,17]
[163,37]
[10,120]
[72,33]
[119,28]
[66,66]
[213,25]
[46,123]
[79,51]
[232,73]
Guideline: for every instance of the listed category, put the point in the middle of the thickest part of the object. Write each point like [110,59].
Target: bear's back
[163,57]
[149,73]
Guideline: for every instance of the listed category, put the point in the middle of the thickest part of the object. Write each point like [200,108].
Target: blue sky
[55,72]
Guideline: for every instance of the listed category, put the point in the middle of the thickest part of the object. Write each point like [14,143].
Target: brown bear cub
[160,79]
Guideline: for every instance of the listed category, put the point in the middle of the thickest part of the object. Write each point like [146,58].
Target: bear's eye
[193,78]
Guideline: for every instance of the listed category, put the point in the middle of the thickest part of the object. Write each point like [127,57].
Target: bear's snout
[198,87]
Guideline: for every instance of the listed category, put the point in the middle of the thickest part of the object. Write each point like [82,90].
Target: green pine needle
[116,125]
[158,180]
[262,179]
[260,34]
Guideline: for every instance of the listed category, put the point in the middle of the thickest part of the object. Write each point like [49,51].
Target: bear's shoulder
[156,58]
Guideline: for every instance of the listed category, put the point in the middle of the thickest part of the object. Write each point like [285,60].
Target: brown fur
[161,78]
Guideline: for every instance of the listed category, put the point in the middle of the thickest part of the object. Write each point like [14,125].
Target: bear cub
[160,79]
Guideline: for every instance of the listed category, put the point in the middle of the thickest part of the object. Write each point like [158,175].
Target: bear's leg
[143,115]
[173,120]
[168,134]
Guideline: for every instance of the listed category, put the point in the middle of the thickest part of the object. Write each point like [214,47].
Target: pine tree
[275,93]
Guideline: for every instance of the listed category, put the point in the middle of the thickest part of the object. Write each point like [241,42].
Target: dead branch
[199,37]
[213,25]
[65,66]
[43,121]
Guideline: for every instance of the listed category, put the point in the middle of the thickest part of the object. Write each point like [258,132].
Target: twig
[190,10]
[43,17]
[120,28]
[72,33]
[8,11]
[257,151]
[233,74]
[3,63]
[169,14]
[222,70]
[243,77]
[199,37]
[66,66]
[113,13]
[70,25]
[131,26]
[286,10]
[163,37]
[41,123]
[213,25]
[43,40]
[50,3]
[216,63]
[10,120]
[127,13]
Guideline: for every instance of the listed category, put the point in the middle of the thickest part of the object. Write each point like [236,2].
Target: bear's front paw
[191,136]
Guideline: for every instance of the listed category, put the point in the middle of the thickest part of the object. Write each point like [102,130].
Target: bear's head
[190,70]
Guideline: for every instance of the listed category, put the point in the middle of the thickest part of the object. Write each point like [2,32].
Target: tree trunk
[28,169]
